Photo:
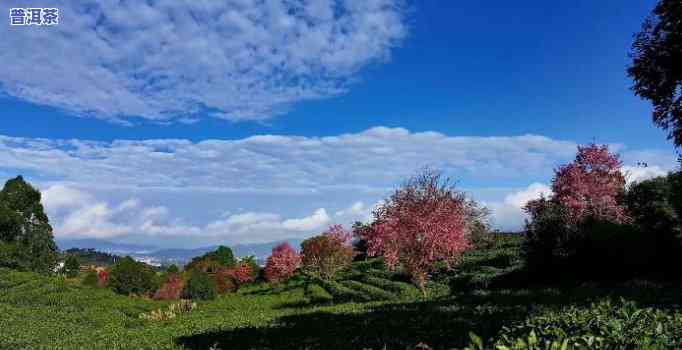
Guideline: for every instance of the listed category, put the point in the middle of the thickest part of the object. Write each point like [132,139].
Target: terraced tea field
[365,308]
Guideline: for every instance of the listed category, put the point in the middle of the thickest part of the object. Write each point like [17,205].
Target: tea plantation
[485,303]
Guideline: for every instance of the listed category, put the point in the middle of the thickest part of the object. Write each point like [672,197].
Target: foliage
[225,281]
[171,289]
[591,186]
[92,257]
[24,226]
[579,222]
[213,261]
[253,265]
[173,269]
[90,279]
[14,256]
[128,277]
[199,286]
[655,68]
[102,278]
[43,312]
[604,325]
[650,204]
[71,266]
[243,274]
[175,309]
[282,263]
[361,233]
[423,222]
[325,255]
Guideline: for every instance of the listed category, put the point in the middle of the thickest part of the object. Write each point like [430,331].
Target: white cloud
[318,220]
[534,191]
[168,60]
[371,161]
[271,187]
[508,214]
[79,214]
[639,174]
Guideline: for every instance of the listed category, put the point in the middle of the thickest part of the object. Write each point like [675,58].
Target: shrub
[90,279]
[317,294]
[171,289]
[342,293]
[605,325]
[325,255]
[282,264]
[128,277]
[423,222]
[199,286]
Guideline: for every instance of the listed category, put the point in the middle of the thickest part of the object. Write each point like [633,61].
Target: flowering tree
[423,222]
[327,254]
[225,281]
[590,186]
[586,191]
[242,274]
[171,289]
[282,264]
[102,278]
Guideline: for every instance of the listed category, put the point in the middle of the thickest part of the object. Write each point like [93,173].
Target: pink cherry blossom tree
[590,186]
[423,222]
[282,264]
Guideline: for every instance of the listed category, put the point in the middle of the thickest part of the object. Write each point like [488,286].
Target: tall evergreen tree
[26,238]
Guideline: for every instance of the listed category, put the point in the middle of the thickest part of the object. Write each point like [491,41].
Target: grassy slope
[367,308]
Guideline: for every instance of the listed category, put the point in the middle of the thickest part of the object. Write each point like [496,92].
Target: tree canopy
[26,240]
[656,68]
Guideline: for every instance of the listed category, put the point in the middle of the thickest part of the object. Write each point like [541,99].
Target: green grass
[367,308]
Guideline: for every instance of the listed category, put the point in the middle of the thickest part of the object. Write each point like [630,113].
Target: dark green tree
[200,286]
[128,276]
[71,266]
[173,269]
[213,261]
[656,68]
[25,231]
[224,256]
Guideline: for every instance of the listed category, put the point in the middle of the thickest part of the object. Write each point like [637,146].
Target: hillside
[366,307]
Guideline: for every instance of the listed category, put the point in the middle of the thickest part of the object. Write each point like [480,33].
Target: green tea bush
[317,294]
[604,325]
[342,293]
[90,279]
[399,288]
[199,286]
[373,292]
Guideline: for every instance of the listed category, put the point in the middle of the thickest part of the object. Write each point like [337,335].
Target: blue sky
[359,94]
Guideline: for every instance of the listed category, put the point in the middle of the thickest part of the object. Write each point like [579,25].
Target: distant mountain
[179,256]
[104,246]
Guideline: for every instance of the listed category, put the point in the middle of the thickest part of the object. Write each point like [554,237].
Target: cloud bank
[270,187]
[168,60]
